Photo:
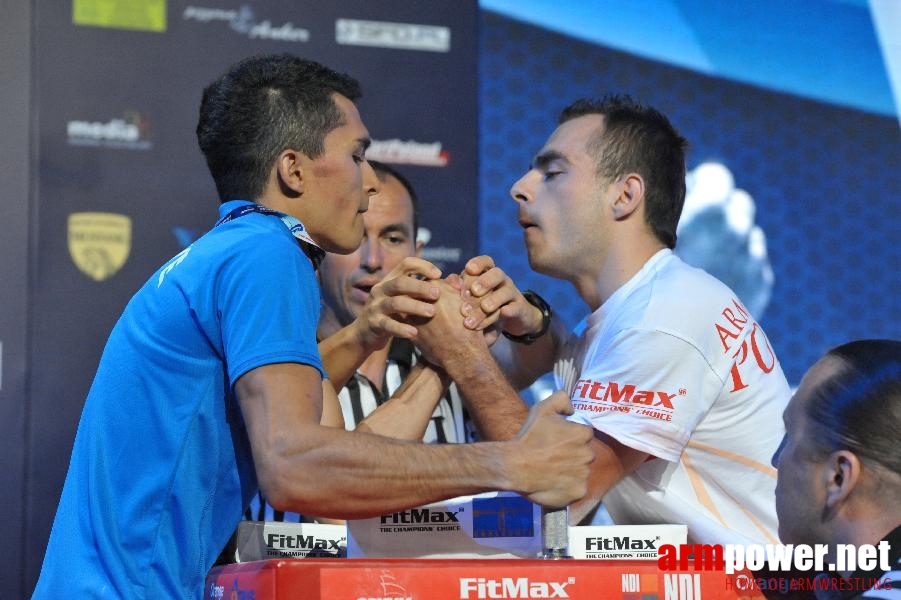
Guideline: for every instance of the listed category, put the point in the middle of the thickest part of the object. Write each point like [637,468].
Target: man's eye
[551,174]
[395,240]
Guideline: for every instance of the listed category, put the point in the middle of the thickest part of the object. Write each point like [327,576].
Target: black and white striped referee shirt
[359,397]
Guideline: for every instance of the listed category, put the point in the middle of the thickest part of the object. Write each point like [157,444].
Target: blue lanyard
[309,247]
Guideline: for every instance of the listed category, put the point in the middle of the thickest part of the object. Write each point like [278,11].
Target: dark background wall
[15,190]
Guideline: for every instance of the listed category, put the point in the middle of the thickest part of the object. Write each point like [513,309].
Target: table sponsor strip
[439,579]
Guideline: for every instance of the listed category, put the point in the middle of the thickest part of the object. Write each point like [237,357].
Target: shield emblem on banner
[99,242]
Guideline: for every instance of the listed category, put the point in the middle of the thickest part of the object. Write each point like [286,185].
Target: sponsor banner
[99,242]
[246,22]
[408,152]
[437,579]
[141,15]
[438,255]
[384,34]
[496,524]
[441,255]
[130,132]
[623,542]
[263,540]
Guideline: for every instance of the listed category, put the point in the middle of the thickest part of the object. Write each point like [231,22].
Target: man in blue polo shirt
[211,385]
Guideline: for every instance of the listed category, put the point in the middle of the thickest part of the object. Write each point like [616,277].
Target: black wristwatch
[539,303]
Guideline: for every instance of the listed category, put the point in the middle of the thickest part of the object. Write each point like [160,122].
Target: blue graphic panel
[504,516]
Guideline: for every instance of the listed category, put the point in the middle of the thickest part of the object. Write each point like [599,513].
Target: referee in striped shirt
[346,282]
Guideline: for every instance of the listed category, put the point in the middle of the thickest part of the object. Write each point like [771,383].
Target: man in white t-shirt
[680,383]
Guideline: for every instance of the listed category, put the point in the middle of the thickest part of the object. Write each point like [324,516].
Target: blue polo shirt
[161,468]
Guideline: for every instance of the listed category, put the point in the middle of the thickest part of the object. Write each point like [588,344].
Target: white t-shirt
[673,365]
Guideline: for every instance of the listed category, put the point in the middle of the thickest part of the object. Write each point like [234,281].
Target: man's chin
[356,302]
[535,262]
[342,246]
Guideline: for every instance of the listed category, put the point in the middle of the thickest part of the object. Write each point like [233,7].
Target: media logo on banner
[130,132]
[147,15]
[99,242]
[244,21]
[408,152]
[384,34]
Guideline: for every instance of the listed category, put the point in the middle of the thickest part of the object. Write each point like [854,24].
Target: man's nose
[371,254]
[371,182]
[521,191]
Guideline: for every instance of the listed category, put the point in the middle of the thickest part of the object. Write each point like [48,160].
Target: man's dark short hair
[260,107]
[859,407]
[640,139]
[383,171]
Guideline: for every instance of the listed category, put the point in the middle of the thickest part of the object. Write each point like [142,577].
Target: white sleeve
[646,389]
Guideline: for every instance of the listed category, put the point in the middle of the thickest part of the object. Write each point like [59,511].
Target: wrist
[434,370]
[515,465]
[545,311]
[468,363]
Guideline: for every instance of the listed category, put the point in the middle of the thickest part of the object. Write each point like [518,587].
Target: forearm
[522,364]
[357,475]
[495,408]
[407,413]
[304,467]
[342,354]
[331,407]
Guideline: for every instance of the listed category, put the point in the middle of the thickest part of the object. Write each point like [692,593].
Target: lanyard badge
[309,247]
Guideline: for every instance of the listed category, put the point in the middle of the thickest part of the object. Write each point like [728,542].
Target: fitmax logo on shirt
[612,391]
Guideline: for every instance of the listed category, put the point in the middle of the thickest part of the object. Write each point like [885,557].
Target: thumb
[559,403]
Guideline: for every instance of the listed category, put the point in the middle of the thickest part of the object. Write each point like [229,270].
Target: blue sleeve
[268,303]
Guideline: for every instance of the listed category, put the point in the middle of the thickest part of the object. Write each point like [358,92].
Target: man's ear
[419,246]
[630,197]
[841,474]
[289,173]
